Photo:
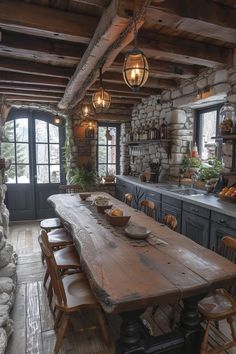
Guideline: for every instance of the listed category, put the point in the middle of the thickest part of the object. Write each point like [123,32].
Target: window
[207,124]
[108,151]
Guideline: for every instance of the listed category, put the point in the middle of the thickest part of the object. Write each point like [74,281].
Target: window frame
[118,128]
[198,126]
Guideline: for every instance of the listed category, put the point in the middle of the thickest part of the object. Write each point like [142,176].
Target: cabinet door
[196,228]
[156,198]
[122,188]
[217,232]
[168,209]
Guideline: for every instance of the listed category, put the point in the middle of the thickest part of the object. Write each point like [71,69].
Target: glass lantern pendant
[85,110]
[135,69]
[227,119]
[101,99]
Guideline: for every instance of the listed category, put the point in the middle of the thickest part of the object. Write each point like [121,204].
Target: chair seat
[59,238]
[218,305]
[67,258]
[78,293]
[51,223]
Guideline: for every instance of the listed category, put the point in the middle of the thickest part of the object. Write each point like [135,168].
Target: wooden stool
[128,198]
[149,208]
[50,224]
[220,305]
[170,221]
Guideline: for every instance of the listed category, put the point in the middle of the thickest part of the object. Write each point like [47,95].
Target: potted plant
[85,177]
[210,170]
[110,177]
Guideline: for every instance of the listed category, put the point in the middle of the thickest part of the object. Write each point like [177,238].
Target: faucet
[180,176]
[194,179]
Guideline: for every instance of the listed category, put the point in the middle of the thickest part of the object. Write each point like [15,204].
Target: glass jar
[227,122]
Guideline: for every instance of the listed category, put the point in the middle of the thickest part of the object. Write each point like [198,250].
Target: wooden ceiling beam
[46,22]
[160,46]
[30,87]
[208,18]
[14,98]
[113,33]
[98,3]
[151,82]
[127,101]
[34,45]
[19,78]
[30,67]
[30,93]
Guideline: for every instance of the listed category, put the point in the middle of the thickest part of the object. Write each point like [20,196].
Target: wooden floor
[33,320]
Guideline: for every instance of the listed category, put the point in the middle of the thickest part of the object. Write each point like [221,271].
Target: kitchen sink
[188,191]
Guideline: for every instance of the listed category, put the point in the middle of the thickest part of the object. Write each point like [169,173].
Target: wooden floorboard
[33,320]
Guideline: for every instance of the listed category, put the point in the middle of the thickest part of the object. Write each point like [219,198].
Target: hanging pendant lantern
[57,119]
[135,68]
[101,99]
[227,119]
[85,110]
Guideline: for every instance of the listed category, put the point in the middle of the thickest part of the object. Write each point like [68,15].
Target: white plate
[137,232]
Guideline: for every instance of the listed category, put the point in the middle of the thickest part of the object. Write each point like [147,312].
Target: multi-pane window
[17,150]
[206,129]
[108,152]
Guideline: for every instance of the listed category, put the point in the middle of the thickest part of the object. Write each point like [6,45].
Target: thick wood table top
[126,274]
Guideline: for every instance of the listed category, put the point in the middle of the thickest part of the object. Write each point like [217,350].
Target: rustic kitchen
[118,176]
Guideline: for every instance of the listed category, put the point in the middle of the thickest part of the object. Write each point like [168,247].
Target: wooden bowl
[227,199]
[101,208]
[84,195]
[117,220]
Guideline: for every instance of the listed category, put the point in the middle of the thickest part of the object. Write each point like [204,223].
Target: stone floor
[34,322]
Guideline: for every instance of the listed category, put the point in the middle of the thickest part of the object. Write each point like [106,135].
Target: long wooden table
[127,276]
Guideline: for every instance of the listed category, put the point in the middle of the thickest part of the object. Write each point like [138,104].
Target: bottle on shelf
[131,136]
[153,132]
[194,152]
[163,129]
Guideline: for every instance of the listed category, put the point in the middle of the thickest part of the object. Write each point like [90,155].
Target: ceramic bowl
[137,232]
[84,195]
[117,220]
[101,208]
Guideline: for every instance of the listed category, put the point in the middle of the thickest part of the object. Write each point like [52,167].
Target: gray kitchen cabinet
[172,206]
[122,188]
[156,198]
[221,225]
[196,223]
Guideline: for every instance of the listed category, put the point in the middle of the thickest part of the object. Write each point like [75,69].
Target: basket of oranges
[228,194]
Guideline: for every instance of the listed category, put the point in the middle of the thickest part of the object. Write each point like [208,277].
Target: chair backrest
[53,270]
[228,248]
[148,207]
[170,221]
[69,188]
[128,198]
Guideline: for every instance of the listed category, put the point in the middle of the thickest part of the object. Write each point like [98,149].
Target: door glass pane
[11,174]
[54,153]
[55,174]
[42,174]
[22,129]
[111,154]
[8,151]
[102,154]
[23,174]
[113,134]
[22,153]
[101,135]
[41,153]
[102,170]
[111,169]
[207,146]
[53,134]
[41,132]
[9,130]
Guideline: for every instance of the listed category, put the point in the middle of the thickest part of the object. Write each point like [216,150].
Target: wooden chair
[170,221]
[220,305]
[70,188]
[50,224]
[72,293]
[148,207]
[128,198]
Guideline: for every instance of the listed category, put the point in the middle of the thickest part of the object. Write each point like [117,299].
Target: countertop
[209,201]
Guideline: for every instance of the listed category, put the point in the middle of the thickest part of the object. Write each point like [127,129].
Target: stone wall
[177,107]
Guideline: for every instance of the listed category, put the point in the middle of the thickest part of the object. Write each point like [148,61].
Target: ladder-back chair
[148,207]
[220,305]
[128,198]
[170,221]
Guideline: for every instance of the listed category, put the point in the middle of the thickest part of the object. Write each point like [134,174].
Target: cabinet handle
[222,221]
[195,210]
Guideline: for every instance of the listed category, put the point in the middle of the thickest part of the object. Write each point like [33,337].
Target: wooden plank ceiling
[51,50]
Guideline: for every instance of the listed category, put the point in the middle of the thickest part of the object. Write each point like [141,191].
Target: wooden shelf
[225,137]
[140,142]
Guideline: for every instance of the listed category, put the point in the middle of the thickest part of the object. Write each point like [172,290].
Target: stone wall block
[8,271]
[6,285]
[221,76]
[6,255]
[178,116]
[202,83]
